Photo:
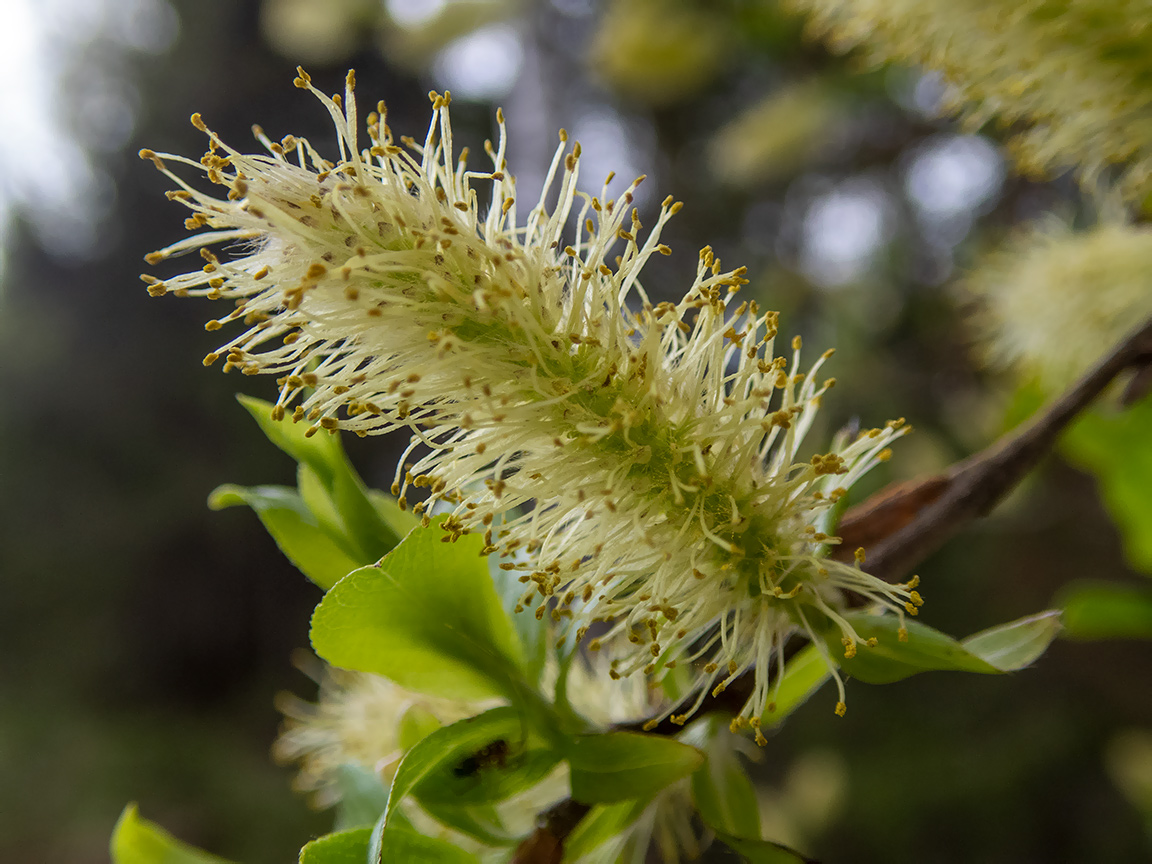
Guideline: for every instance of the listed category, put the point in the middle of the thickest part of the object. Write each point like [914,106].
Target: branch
[902,526]
[545,845]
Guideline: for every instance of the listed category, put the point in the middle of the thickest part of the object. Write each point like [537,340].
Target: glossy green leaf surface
[490,779]
[617,766]
[721,789]
[427,617]
[1016,644]
[480,822]
[448,747]
[138,841]
[322,556]
[344,847]
[1105,610]
[405,846]
[804,674]
[1005,648]
[371,535]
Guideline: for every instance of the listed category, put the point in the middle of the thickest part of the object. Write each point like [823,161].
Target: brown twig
[903,524]
[971,488]
[545,845]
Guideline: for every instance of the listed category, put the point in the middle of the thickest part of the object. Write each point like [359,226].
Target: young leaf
[400,521]
[1002,649]
[138,841]
[805,673]
[762,851]
[344,847]
[1106,610]
[372,535]
[322,556]
[416,724]
[480,822]
[321,452]
[405,846]
[446,747]
[617,766]
[319,502]
[490,779]
[603,822]
[1016,644]
[427,617]
[721,789]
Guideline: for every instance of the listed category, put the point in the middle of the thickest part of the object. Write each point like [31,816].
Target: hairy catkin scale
[636,461]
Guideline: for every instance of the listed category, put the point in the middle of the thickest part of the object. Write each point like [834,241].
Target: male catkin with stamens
[636,461]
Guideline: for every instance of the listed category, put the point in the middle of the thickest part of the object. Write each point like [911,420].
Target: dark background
[144,637]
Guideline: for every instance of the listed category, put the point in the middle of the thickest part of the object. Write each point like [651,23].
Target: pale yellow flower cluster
[1069,78]
[637,461]
[1054,301]
[359,720]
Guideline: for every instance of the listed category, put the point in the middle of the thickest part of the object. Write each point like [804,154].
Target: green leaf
[138,841]
[1002,649]
[602,823]
[1117,449]
[323,454]
[489,780]
[319,502]
[804,674]
[320,451]
[405,846]
[321,556]
[362,798]
[721,789]
[416,724]
[448,747]
[1016,644]
[617,766]
[400,521]
[1106,610]
[480,822]
[762,851]
[345,847]
[893,660]
[427,617]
